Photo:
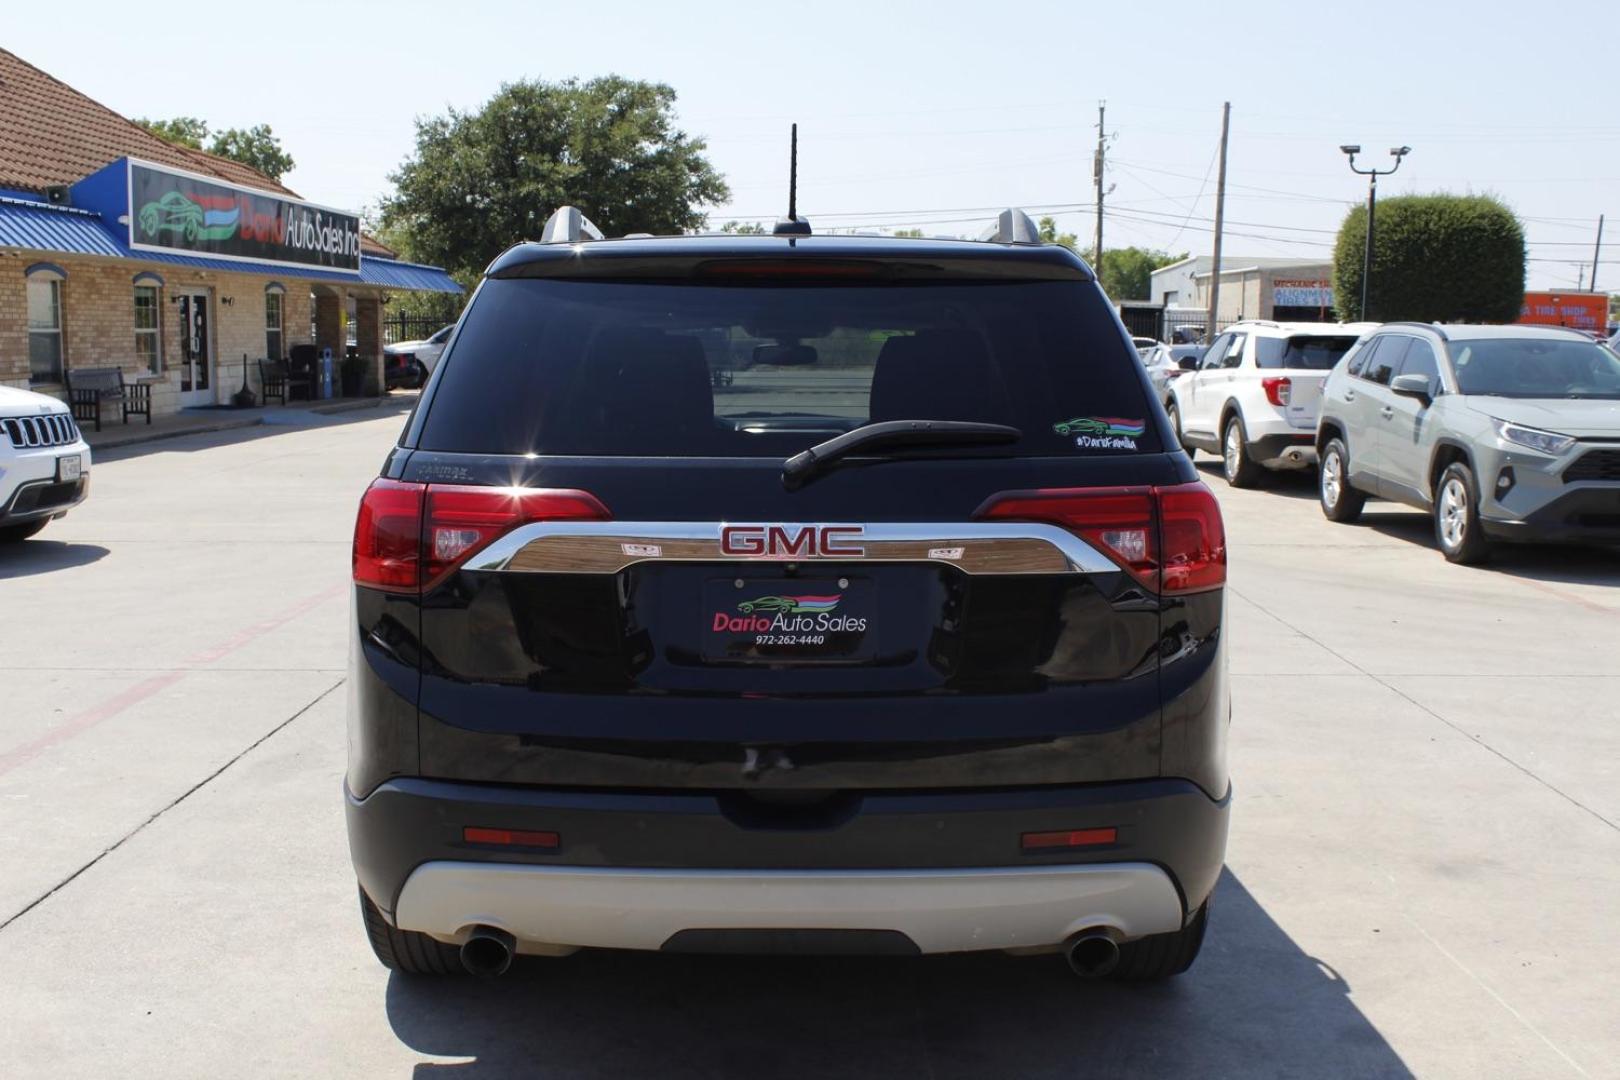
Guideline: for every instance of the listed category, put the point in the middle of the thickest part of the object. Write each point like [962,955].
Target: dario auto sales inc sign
[177,211]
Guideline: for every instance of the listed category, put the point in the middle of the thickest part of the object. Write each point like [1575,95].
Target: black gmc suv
[793,593]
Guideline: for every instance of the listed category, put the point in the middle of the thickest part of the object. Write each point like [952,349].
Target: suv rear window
[1303,352]
[766,369]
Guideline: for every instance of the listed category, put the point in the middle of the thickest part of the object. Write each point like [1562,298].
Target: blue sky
[931,112]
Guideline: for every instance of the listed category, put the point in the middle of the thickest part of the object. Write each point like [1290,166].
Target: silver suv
[1501,432]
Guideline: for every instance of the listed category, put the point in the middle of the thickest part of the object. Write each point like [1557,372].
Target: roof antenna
[793,224]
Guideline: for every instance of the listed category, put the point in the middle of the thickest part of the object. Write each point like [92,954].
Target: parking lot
[1423,875]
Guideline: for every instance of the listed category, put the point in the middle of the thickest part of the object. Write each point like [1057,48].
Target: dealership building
[119,249]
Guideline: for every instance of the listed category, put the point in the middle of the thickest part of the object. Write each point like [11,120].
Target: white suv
[44,463]
[1255,396]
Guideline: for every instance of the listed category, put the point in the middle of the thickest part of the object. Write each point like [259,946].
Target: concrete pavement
[116,432]
[1423,878]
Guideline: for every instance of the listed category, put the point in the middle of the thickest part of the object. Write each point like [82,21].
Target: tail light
[388,536]
[1278,389]
[1171,539]
[460,520]
[409,537]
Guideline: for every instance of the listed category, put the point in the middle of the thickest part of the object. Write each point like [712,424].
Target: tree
[912,234]
[1050,235]
[743,228]
[1127,273]
[481,181]
[256,147]
[187,131]
[1436,258]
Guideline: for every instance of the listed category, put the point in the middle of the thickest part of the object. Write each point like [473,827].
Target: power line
[1246,187]
[886,219]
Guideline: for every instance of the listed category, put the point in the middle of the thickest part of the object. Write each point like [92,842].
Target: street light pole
[1396,152]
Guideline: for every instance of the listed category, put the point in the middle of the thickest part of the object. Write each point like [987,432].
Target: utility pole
[1097,163]
[1220,219]
[1597,247]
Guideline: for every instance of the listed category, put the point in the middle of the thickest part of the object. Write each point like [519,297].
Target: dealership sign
[171,210]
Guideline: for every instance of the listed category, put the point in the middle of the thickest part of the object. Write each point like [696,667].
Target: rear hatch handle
[805,466]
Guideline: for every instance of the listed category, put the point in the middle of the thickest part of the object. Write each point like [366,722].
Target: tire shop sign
[170,210]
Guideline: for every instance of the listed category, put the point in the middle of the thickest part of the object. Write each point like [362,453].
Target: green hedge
[1436,258]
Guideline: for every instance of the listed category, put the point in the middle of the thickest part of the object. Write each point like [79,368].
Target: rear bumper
[633,869]
[1294,450]
[934,910]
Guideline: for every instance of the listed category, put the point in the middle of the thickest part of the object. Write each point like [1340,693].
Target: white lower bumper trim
[952,910]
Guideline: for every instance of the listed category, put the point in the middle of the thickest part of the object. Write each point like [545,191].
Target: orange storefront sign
[1579,311]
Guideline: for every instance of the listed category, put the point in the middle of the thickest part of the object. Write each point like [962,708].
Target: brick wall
[98,321]
[368,341]
[329,331]
[13,321]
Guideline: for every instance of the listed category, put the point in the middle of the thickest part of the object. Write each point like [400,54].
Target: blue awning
[69,231]
[42,227]
[398,274]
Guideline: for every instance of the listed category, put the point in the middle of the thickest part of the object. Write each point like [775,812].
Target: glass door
[195,362]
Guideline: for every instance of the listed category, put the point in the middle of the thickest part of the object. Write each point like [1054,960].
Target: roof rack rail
[1434,326]
[1013,226]
[567,225]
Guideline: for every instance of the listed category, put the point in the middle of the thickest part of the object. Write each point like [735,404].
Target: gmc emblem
[792,541]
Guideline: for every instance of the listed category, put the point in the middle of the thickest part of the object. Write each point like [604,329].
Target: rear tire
[1240,470]
[1340,502]
[1161,956]
[406,950]
[1456,517]
[16,534]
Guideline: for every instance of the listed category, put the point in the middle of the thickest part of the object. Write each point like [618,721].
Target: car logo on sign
[792,541]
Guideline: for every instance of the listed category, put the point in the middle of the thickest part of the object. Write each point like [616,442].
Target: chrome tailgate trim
[606,547]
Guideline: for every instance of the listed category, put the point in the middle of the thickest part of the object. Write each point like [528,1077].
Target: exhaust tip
[1092,954]
[488,952]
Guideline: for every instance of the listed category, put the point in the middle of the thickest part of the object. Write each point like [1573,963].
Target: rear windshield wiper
[803,467]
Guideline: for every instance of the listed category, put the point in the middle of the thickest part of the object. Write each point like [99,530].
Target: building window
[148,343]
[272,325]
[44,330]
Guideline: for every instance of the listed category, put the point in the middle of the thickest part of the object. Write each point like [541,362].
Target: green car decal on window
[1101,425]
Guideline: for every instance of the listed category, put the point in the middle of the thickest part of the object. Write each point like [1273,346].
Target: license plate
[69,468]
[794,620]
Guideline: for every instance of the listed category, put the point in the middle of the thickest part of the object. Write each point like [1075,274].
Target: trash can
[326,373]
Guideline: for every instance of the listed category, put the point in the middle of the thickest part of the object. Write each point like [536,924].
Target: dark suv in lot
[906,638]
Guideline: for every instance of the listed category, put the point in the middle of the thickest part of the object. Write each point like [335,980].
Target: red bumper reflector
[510,837]
[1069,838]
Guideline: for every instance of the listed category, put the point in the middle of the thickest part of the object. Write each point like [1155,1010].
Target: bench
[279,380]
[91,388]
